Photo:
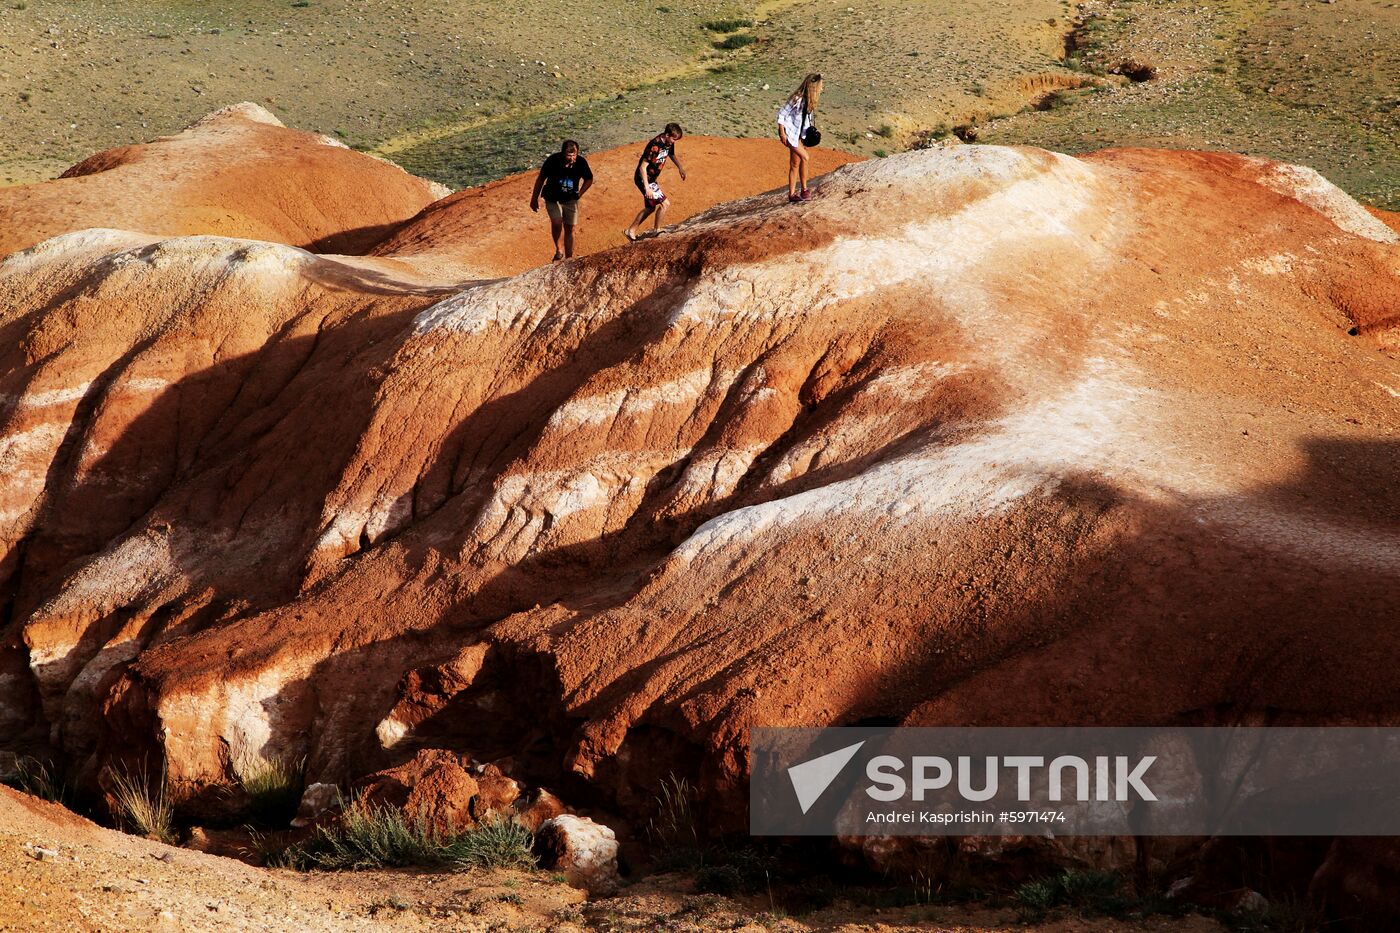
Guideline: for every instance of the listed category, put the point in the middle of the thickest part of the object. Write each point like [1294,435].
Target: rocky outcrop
[978,435]
[450,794]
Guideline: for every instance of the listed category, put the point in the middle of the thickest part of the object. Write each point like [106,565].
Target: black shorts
[652,195]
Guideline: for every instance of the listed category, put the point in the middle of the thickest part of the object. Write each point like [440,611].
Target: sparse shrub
[262,849]
[727,25]
[301,3]
[736,41]
[881,154]
[496,845]
[1035,899]
[740,871]
[885,130]
[979,89]
[1089,892]
[369,836]
[39,779]
[674,822]
[673,830]
[273,786]
[143,808]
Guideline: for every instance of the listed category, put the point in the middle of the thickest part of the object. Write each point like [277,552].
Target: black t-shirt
[562,182]
[655,154]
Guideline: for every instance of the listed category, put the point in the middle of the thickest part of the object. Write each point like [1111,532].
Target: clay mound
[489,230]
[979,435]
[238,172]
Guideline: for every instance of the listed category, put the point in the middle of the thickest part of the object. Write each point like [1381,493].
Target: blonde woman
[796,131]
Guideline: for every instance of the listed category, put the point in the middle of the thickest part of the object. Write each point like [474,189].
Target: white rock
[585,851]
[316,801]
[41,854]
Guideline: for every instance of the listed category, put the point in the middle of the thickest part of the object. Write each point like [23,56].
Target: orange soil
[237,173]
[491,230]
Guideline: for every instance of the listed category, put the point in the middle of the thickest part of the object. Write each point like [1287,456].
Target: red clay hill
[978,435]
[238,172]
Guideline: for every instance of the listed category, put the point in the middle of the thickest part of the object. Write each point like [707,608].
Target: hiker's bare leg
[568,241]
[793,161]
[660,213]
[631,232]
[802,166]
[556,229]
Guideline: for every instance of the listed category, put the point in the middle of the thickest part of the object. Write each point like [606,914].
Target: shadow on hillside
[1086,605]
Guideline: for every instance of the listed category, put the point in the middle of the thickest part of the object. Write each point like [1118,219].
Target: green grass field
[463,91]
[466,91]
[1307,82]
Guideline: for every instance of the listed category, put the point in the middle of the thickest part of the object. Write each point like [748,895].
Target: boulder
[445,790]
[584,851]
[317,801]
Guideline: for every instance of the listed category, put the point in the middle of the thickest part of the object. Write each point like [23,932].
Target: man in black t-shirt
[563,179]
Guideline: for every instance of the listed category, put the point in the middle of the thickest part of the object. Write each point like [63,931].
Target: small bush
[741,871]
[1089,892]
[674,823]
[737,41]
[727,25]
[369,836]
[495,845]
[264,849]
[885,130]
[145,810]
[672,831]
[39,779]
[273,786]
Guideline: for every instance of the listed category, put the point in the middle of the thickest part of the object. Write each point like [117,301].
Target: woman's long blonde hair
[809,92]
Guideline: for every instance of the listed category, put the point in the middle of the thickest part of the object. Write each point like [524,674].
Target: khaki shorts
[566,211]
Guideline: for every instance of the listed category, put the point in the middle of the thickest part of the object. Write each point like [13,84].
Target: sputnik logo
[811,778]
